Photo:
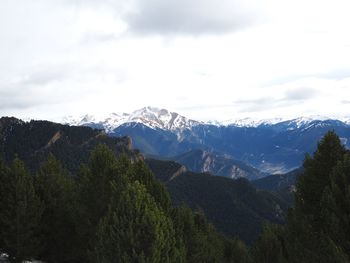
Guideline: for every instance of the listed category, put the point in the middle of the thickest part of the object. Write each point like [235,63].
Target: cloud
[98,37]
[45,76]
[193,17]
[18,97]
[300,94]
[260,104]
[293,96]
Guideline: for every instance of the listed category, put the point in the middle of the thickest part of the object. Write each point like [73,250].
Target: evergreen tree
[143,174]
[21,212]
[270,246]
[308,225]
[95,193]
[56,191]
[335,206]
[135,229]
[236,251]
[5,188]
[316,177]
[201,240]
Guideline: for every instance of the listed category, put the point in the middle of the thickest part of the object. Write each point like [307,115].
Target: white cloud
[201,58]
[193,17]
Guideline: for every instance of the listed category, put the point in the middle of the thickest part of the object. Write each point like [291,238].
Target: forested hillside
[107,206]
[111,211]
[33,141]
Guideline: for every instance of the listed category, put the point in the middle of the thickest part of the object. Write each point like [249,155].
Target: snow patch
[152,117]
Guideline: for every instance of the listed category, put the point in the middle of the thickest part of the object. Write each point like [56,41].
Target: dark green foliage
[309,220]
[270,245]
[135,229]
[164,171]
[202,242]
[318,227]
[235,251]
[235,207]
[336,205]
[114,210]
[20,212]
[316,176]
[94,192]
[56,191]
[33,141]
[143,174]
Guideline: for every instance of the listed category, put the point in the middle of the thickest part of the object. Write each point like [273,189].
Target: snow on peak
[295,123]
[251,122]
[157,118]
[150,116]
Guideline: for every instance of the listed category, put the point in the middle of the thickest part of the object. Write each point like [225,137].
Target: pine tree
[316,177]
[56,191]
[235,251]
[308,236]
[141,173]
[94,193]
[5,188]
[20,215]
[335,206]
[270,246]
[135,229]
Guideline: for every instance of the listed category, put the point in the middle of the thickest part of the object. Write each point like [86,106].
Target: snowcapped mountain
[272,145]
[251,122]
[156,118]
[151,117]
[288,124]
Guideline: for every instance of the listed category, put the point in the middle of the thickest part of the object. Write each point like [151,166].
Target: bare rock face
[129,143]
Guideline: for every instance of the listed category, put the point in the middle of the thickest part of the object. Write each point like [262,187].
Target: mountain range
[232,148]
[235,207]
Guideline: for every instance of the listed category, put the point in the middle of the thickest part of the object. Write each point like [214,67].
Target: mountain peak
[160,118]
[155,118]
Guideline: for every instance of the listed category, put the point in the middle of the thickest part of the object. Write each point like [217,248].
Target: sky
[205,59]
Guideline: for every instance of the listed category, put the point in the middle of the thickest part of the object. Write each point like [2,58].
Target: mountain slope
[235,207]
[202,161]
[277,182]
[33,141]
[272,146]
[276,148]
[165,171]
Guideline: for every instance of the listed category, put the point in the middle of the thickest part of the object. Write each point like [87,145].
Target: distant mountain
[277,182]
[149,116]
[272,146]
[235,207]
[202,161]
[33,141]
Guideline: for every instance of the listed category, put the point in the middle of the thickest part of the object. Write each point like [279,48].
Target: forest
[114,210]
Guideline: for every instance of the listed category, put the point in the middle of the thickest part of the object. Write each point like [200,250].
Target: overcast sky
[206,59]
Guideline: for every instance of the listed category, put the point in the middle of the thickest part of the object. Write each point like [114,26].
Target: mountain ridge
[152,117]
[159,118]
